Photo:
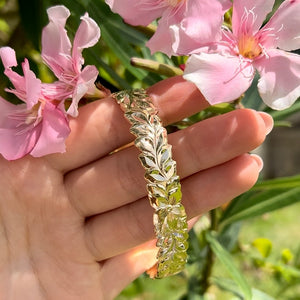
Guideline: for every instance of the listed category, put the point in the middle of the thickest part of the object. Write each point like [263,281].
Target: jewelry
[163,184]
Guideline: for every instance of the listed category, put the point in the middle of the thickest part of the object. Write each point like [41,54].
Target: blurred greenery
[251,245]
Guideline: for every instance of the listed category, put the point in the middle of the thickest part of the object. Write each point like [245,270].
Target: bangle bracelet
[163,184]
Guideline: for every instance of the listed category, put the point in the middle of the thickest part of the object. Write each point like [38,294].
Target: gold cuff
[163,184]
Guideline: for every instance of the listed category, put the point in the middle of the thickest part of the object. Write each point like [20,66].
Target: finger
[130,265]
[119,179]
[121,270]
[201,192]
[101,127]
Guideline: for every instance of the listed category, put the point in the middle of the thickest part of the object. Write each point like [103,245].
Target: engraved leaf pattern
[163,184]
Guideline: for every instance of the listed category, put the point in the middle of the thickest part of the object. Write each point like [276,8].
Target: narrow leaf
[32,19]
[278,183]
[112,32]
[226,259]
[260,204]
[283,114]
[228,285]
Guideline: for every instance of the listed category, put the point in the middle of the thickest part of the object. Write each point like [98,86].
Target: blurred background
[258,232]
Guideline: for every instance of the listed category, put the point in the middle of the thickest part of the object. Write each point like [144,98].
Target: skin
[78,225]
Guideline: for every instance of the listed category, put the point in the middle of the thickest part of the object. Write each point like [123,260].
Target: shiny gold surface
[163,184]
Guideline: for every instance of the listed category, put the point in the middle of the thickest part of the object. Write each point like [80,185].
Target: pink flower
[38,126]
[66,61]
[225,70]
[181,24]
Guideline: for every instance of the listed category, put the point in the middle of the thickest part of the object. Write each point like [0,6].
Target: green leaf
[4,27]
[252,98]
[227,285]
[226,259]
[102,14]
[196,251]
[32,17]
[229,236]
[260,203]
[124,53]
[2,3]
[278,183]
[259,295]
[283,114]
[245,201]
[287,272]
[92,57]
[220,108]
[267,189]
[119,37]
[263,245]
[230,286]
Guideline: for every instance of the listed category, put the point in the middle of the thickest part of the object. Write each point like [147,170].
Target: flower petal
[161,40]
[219,78]
[188,26]
[203,19]
[27,87]
[58,14]
[85,82]
[16,137]
[226,4]
[279,85]
[201,24]
[87,35]
[57,90]
[55,129]
[56,45]
[8,57]
[285,23]
[32,87]
[135,12]
[250,14]
[164,39]
[182,44]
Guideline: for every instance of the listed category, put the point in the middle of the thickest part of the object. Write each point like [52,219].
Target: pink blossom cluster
[182,25]
[222,62]
[40,125]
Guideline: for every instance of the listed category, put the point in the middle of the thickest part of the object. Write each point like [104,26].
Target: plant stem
[155,67]
[210,258]
[214,219]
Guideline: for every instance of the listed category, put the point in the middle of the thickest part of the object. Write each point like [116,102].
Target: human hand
[78,225]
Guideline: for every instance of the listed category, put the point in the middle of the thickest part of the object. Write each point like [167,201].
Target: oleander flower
[38,126]
[181,24]
[223,71]
[66,61]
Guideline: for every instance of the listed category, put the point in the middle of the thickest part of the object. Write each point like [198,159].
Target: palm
[46,250]
[76,225]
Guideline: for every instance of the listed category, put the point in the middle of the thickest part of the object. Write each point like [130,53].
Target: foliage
[216,242]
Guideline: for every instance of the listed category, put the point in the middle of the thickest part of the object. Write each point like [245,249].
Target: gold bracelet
[163,184]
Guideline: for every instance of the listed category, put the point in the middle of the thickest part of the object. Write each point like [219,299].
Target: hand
[78,225]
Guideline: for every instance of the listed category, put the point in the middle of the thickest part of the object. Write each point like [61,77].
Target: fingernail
[269,123]
[258,160]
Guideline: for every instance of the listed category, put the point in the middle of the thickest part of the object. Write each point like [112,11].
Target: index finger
[102,128]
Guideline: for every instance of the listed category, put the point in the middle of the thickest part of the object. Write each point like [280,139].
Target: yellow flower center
[32,115]
[249,47]
[174,3]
